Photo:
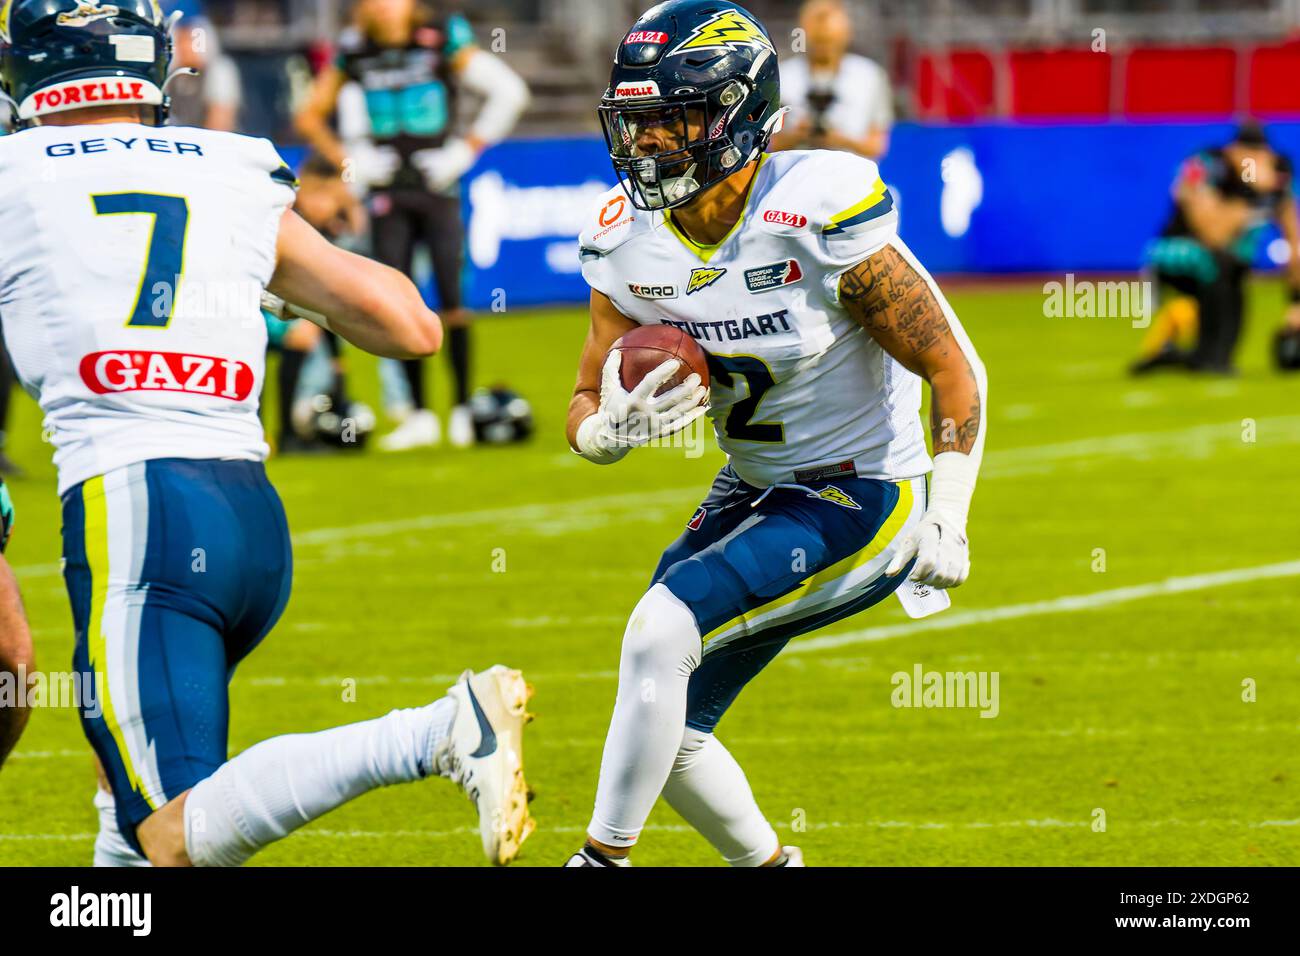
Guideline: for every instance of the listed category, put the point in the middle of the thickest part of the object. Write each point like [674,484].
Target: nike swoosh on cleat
[487,745]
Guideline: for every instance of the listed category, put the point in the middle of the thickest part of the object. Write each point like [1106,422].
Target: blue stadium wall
[972,199]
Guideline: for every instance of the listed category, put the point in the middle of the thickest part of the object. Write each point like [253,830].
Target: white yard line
[1068,604]
[1048,823]
[1062,605]
[561,516]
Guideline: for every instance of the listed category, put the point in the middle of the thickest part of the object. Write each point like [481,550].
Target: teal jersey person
[385,112]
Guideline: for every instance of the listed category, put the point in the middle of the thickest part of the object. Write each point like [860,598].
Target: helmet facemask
[666,150]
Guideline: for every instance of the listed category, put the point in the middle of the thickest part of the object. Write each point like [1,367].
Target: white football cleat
[420,429]
[589,857]
[793,856]
[484,756]
[460,427]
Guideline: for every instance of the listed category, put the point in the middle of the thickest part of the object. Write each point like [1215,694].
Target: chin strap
[775,123]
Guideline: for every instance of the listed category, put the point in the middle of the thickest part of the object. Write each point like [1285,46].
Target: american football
[647,347]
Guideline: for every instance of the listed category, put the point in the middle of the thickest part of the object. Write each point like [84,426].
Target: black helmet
[1286,350]
[501,416]
[704,71]
[58,55]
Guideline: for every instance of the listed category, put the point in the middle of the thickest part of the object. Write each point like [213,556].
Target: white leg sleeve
[708,788]
[276,786]
[111,848]
[661,648]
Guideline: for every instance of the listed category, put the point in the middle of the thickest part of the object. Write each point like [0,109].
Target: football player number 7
[165,258]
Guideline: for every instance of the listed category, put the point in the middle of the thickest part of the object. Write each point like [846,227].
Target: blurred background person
[1224,199]
[16,657]
[311,379]
[411,63]
[212,98]
[837,99]
[7,382]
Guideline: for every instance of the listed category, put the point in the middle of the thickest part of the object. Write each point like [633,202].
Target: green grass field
[1131,704]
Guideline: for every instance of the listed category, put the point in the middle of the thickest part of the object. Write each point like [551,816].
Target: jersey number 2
[740,424]
[156,299]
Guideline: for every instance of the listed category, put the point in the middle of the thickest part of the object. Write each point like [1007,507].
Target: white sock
[276,786]
[661,647]
[111,848]
[709,790]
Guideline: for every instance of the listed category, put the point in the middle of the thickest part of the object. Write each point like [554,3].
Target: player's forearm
[384,314]
[900,307]
[956,409]
[16,658]
[583,405]
[956,426]
[371,305]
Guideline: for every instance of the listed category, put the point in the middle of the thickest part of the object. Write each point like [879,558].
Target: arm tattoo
[894,304]
[888,298]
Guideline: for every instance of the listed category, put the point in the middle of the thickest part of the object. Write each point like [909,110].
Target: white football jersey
[130,274]
[799,389]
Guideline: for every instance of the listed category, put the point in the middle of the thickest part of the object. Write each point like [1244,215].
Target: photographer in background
[211,99]
[838,100]
[1223,200]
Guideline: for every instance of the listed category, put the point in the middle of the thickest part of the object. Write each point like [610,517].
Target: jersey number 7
[165,260]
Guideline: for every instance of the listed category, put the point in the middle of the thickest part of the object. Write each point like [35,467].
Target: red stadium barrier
[1064,83]
[1275,80]
[1143,82]
[956,85]
[1180,81]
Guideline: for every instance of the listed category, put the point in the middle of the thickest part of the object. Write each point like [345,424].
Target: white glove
[444,166]
[630,419]
[368,165]
[941,551]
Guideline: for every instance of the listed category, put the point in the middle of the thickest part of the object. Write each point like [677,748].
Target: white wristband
[591,446]
[952,485]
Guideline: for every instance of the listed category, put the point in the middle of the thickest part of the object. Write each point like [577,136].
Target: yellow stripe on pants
[95,508]
[888,531]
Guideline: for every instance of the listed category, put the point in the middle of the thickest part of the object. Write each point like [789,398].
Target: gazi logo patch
[703,278]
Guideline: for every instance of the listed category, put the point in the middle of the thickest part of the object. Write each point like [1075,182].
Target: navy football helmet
[58,55]
[694,97]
